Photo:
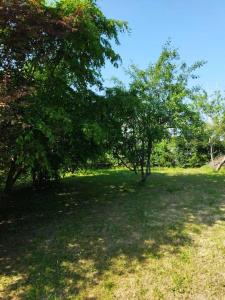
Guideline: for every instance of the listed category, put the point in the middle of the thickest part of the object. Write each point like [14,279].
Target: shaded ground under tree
[103,235]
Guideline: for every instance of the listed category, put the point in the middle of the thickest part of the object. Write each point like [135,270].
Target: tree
[213,112]
[154,106]
[50,56]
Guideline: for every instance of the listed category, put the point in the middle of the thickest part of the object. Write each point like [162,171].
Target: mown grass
[103,235]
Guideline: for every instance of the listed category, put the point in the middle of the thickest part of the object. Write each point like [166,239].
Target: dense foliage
[50,56]
[154,107]
[52,121]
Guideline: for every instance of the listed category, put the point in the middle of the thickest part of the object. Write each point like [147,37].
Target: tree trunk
[148,164]
[13,174]
[220,164]
[142,163]
[146,173]
[143,177]
[211,155]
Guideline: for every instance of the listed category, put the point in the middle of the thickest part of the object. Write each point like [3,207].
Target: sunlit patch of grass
[103,235]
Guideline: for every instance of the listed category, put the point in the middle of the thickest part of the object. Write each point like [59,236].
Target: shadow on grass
[56,243]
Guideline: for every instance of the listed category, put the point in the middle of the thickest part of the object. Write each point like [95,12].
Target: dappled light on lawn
[99,238]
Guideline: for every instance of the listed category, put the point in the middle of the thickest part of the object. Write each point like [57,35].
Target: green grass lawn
[103,235]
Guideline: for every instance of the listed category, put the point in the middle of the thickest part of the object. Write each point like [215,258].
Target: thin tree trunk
[220,164]
[148,164]
[143,177]
[142,163]
[211,154]
[125,164]
[146,173]
[12,176]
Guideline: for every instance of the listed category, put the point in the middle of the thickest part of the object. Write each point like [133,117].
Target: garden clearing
[103,235]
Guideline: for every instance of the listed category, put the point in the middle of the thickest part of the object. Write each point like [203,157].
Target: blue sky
[196,28]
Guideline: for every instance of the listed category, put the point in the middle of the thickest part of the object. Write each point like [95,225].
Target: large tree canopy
[50,55]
